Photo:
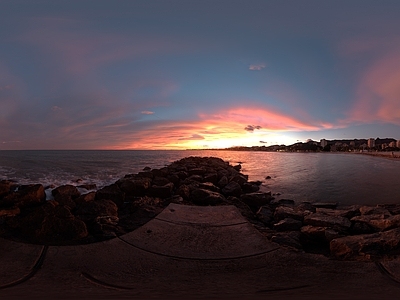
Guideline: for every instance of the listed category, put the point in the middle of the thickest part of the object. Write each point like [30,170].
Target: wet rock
[368,210]
[256,199]
[66,191]
[88,186]
[134,187]
[286,202]
[379,222]
[366,246]
[345,213]
[232,189]
[239,179]
[6,187]
[243,208]
[197,171]
[360,228]
[250,188]
[321,220]
[206,197]
[111,192]
[268,177]
[160,181]
[283,212]
[394,209]
[237,167]
[211,177]
[288,224]
[85,198]
[265,215]
[26,196]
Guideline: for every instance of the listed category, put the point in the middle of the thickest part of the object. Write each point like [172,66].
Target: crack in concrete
[38,264]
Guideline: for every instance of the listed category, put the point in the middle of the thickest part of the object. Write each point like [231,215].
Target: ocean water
[324,177]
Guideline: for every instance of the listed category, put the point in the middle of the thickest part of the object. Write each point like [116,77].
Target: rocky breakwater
[356,232]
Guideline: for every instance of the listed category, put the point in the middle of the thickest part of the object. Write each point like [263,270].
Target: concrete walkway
[189,252]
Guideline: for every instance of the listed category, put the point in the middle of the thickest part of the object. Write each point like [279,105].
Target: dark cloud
[251,128]
[193,137]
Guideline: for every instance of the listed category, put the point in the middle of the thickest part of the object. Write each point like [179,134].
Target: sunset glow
[180,75]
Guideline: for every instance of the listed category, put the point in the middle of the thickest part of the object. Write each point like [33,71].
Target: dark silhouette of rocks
[355,232]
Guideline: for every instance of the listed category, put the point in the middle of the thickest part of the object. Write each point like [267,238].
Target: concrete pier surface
[189,252]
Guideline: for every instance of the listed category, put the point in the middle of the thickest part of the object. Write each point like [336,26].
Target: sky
[175,74]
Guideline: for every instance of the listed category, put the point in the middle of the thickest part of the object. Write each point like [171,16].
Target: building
[323,142]
[398,144]
[371,143]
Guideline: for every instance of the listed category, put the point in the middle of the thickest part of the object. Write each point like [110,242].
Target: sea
[345,178]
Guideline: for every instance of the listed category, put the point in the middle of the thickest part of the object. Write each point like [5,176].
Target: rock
[265,215]
[183,191]
[325,205]
[321,220]
[66,200]
[250,188]
[111,192]
[174,179]
[288,224]
[64,191]
[232,189]
[256,199]
[58,229]
[26,196]
[211,177]
[10,212]
[134,187]
[88,186]
[146,169]
[366,246]
[368,210]
[160,181]
[195,178]
[394,209]
[163,192]
[237,167]
[345,213]
[268,177]
[286,202]
[290,238]
[239,179]
[206,197]
[197,171]
[313,233]
[85,198]
[148,174]
[209,186]
[360,228]
[306,206]
[5,187]
[283,212]
[223,181]
[243,208]
[379,222]
[87,211]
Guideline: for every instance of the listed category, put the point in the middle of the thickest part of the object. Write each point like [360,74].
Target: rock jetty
[351,233]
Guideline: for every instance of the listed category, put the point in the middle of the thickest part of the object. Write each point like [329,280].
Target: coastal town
[383,145]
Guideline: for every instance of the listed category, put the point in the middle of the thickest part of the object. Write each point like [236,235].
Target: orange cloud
[225,129]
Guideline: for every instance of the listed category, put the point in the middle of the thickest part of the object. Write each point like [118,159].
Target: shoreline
[74,218]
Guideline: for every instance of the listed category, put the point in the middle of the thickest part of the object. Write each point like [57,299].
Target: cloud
[193,137]
[251,128]
[147,112]
[56,108]
[258,67]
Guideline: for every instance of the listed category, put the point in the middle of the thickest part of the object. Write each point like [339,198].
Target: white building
[323,142]
[371,143]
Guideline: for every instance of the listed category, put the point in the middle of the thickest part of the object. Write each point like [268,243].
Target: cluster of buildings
[371,144]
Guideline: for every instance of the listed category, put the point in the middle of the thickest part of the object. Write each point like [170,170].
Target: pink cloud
[378,92]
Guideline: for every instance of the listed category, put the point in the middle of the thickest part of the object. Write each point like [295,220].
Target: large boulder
[256,199]
[379,222]
[366,246]
[91,210]
[5,187]
[322,220]
[26,196]
[232,189]
[288,224]
[265,215]
[206,197]
[111,192]
[283,212]
[65,191]
[134,187]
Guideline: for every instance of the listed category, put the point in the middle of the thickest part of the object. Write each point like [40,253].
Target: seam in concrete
[284,289]
[200,224]
[94,280]
[386,272]
[198,258]
[35,268]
